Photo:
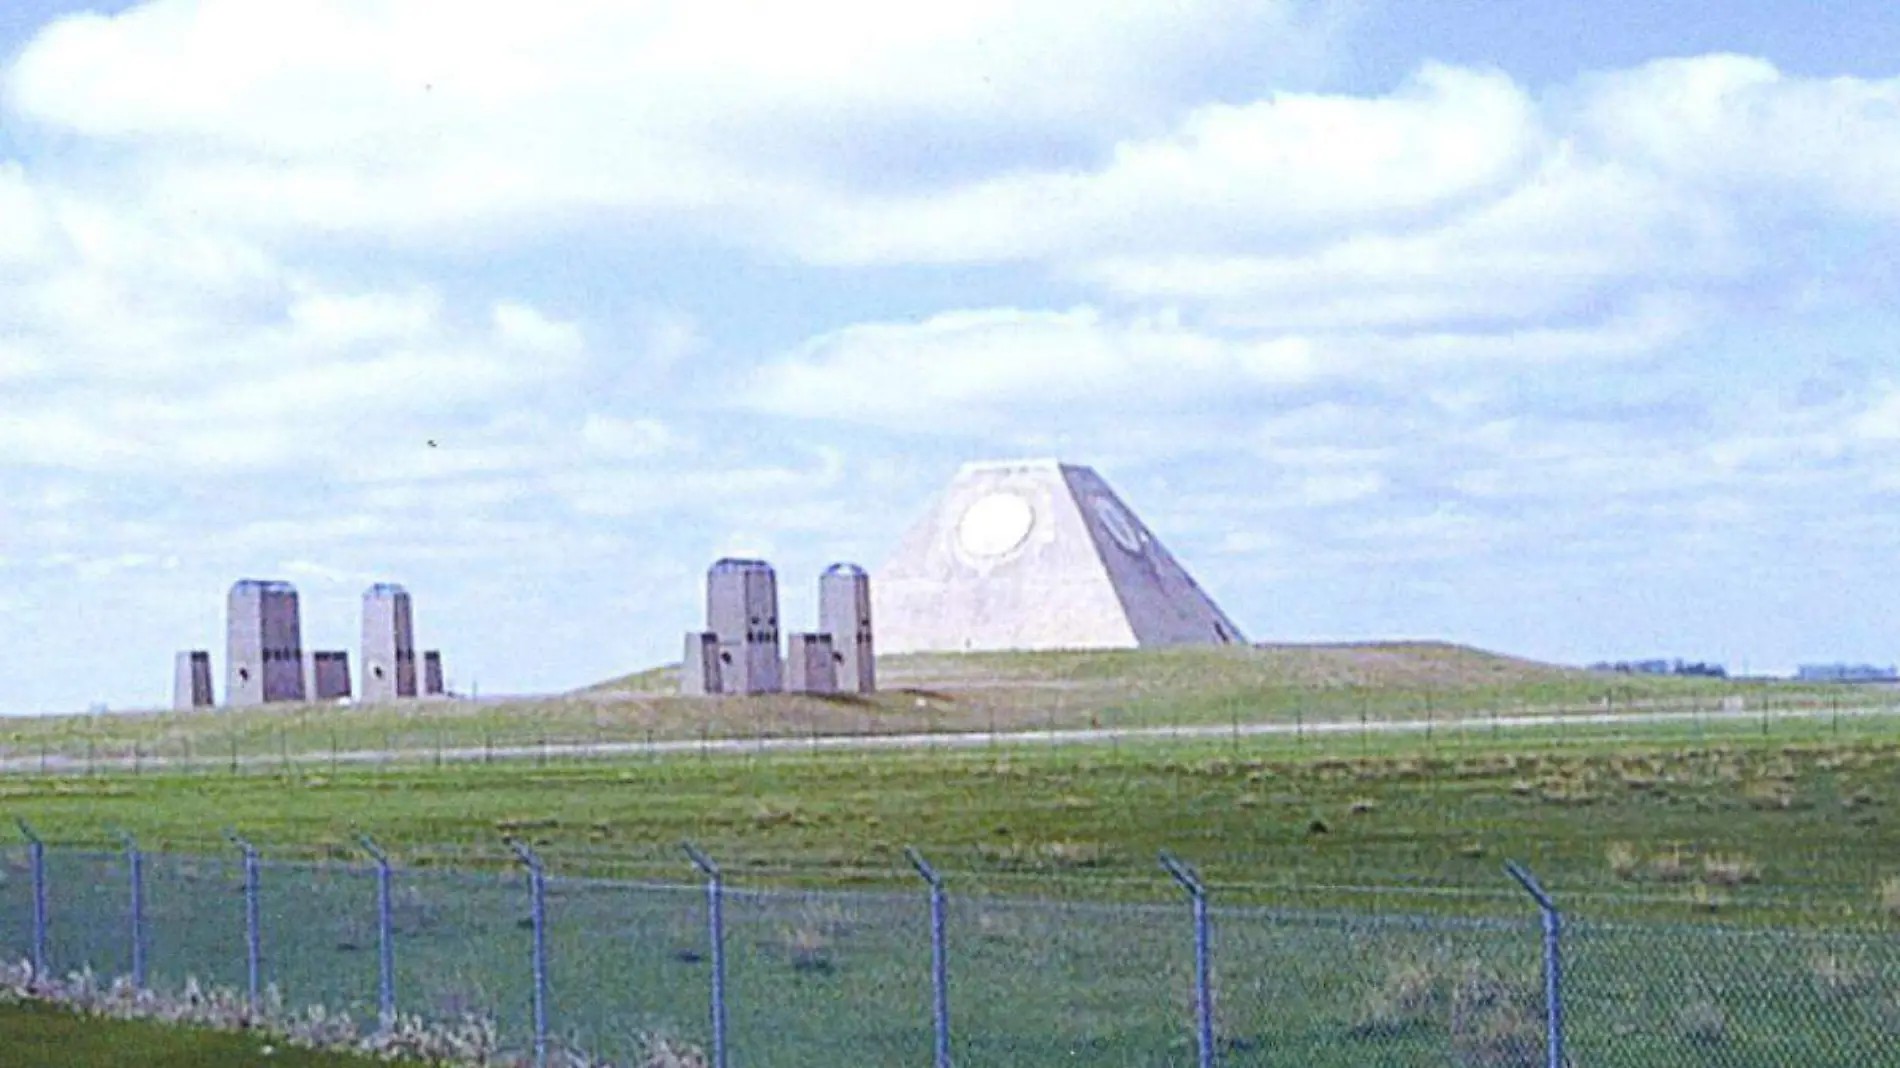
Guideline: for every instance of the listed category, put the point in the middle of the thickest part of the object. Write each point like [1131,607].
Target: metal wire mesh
[16,905]
[1046,983]
[464,948]
[626,960]
[321,936]
[1324,989]
[194,916]
[88,913]
[820,978]
[1731,998]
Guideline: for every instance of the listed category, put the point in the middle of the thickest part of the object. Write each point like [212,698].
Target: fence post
[36,852]
[716,923]
[135,864]
[252,937]
[939,956]
[537,892]
[385,937]
[1553,965]
[1203,993]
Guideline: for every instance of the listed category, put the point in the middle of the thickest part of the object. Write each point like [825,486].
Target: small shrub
[1068,854]
[1729,871]
[1225,1035]
[1702,1023]
[998,926]
[1840,975]
[807,949]
[1410,996]
[1625,862]
[1496,1023]
[769,815]
[1772,795]
[1705,898]
[1890,897]
[1670,867]
[664,1052]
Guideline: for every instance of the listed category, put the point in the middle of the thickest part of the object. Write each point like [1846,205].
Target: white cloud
[623,439]
[966,369]
[1287,169]
[328,318]
[1880,421]
[1737,124]
[419,114]
[1550,246]
[22,217]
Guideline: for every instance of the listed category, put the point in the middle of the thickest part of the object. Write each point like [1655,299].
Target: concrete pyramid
[1037,554]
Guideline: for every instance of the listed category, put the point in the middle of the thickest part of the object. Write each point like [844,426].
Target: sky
[1571,334]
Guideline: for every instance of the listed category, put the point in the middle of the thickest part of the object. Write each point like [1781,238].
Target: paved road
[964,740]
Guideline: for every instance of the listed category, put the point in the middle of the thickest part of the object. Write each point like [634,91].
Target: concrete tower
[389,644]
[263,644]
[844,612]
[699,667]
[327,675]
[742,609]
[432,684]
[1038,555]
[191,680]
[809,667]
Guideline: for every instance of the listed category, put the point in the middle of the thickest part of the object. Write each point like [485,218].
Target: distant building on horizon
[1846,673]
[1678,666]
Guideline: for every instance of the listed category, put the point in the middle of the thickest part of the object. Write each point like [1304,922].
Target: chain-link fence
[821,978]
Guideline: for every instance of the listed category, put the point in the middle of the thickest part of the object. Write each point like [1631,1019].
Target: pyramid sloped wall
[1161,601]
[1026,555]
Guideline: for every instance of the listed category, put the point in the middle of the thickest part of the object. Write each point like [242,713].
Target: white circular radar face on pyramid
[995,525]
[1119,524]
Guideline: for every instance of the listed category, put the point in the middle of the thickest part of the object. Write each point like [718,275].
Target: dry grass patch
[1730,871]
[1890,897]
[1669,867]
[1496,1023]
[1702,1022]
[1840,975]
[1412,995]
[1706,899]
[807,948]
[1625,862]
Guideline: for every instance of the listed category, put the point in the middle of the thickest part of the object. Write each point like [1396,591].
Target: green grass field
[1757,868]
[1274,820]
[1733,885]
[40,1036]
[976,692]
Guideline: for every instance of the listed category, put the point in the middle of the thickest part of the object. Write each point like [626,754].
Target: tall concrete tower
[263,644]
[191,680]
[844,612]
[389,644]
[742,609]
